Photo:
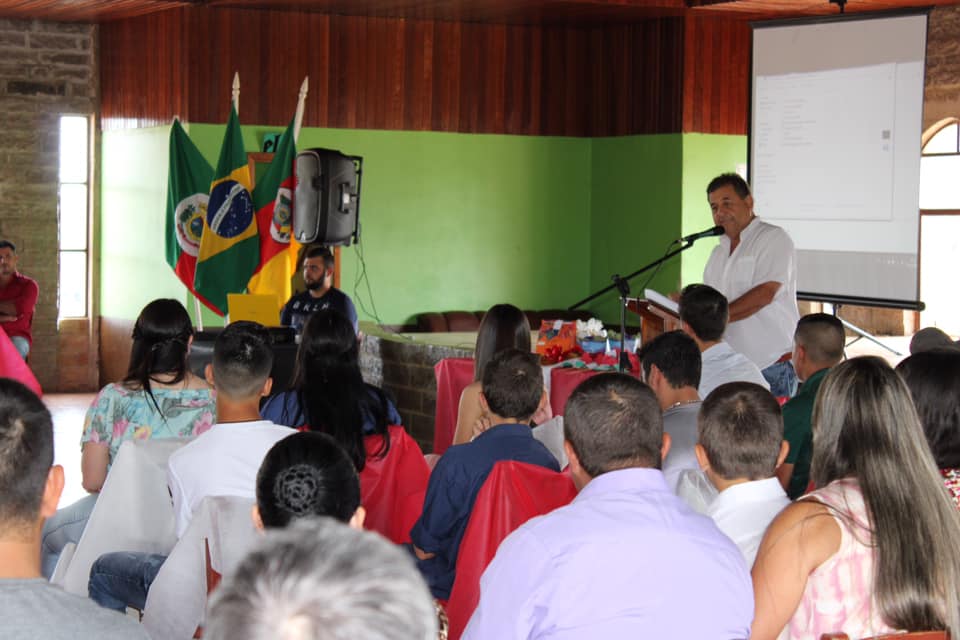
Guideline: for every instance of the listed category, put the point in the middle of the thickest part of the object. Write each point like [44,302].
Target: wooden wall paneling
[390,73]
[716,74]
[418,72]
[447,75]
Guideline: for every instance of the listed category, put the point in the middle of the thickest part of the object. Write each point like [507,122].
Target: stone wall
[942,83]
[405,369]
[46,70]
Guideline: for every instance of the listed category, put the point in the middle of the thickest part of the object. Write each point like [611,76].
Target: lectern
[654,318]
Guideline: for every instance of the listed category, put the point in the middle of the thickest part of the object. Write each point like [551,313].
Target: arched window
[940,225]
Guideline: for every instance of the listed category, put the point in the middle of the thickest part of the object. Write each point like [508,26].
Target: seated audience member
[221,462]
[876,548]
[320,579]
[304,475]
[18,300]
[320,295]
[158,398]
[930,338]
[328,393]
[503,327]
[703,315]
[739,446]
[627,558]
[933,378]
[817,345]
[224,461]
[30,487]
[671,366]
[512,388]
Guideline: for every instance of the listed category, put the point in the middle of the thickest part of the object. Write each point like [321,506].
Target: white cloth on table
[133,512]
[223,461]
[176,603]
[765,254]
[721,364]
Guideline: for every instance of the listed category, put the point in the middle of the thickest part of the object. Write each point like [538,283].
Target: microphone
[713,231]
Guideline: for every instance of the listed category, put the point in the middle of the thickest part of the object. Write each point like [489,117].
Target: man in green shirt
[817,345]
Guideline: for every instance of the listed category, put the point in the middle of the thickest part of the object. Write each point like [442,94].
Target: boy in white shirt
[739,447]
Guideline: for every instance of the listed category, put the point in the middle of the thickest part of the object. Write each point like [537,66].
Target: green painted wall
[705,156]
[635,207]
[452,220]
[133,196]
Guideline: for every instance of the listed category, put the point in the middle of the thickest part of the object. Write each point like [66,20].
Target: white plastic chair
[133,512]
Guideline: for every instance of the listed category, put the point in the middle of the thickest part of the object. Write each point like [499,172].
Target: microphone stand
[624,288]
[655,263]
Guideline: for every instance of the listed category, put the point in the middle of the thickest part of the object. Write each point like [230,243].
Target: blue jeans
[22,345]
[66,525]
[122,579]
[782,379]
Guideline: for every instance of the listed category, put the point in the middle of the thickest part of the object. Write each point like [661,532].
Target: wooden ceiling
[570,12]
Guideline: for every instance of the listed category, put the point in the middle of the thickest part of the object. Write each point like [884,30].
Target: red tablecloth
[13,366]
[563,380]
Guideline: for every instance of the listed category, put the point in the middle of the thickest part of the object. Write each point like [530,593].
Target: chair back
[453,375]
[133,511]
[513,493]
[392,488]
[218,537]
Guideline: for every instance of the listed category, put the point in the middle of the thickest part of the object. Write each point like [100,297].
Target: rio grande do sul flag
[187,187]
[229,246]
[273,202]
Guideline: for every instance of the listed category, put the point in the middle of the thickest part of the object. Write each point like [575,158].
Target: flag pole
[197,310]
[301,101]
[235,97]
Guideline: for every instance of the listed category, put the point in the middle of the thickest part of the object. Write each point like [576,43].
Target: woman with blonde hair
[876,548]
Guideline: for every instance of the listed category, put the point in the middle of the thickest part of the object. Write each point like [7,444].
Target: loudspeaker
[326,200]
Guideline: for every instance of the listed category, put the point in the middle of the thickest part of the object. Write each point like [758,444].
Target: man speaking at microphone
[755,267]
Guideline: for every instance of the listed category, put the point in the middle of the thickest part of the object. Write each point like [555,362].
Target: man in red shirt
[18,298]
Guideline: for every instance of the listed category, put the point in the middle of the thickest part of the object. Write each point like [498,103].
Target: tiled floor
[68,410]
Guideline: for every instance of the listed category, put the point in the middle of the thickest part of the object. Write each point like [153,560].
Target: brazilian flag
[230,245]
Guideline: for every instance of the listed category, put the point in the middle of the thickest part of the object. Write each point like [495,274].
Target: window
[74,208]
[939,166]
[940,225]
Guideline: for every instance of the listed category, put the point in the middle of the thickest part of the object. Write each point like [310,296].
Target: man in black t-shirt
[318,266]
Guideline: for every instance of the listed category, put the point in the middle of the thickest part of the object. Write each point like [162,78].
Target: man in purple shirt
[625,559]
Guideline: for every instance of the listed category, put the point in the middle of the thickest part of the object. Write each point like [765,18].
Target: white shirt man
[754,266]
[721,364]
[221,462]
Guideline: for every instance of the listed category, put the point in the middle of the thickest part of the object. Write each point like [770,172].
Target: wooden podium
[654,318]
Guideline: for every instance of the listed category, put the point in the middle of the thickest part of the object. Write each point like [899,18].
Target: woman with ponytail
[158,398]
[328,393]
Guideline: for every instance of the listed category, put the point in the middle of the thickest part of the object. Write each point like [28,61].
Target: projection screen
[836,117]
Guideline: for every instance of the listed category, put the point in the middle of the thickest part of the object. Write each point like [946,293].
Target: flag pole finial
[235,94]
[301,101]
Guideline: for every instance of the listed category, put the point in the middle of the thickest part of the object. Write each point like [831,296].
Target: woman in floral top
[158,398]
[934,381]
